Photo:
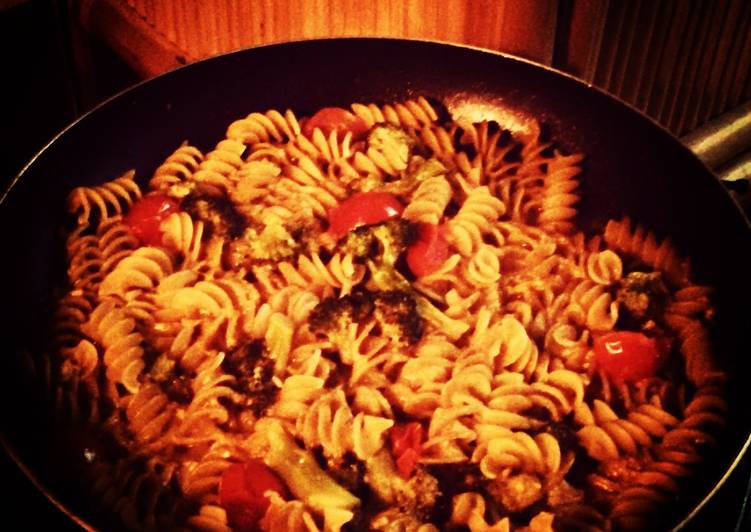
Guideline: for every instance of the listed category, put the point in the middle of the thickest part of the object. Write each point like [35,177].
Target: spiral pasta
[109,199]
[394,322]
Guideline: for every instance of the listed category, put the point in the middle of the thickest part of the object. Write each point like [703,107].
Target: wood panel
[210,27]
[682,62]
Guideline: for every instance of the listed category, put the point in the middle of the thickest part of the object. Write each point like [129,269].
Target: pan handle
[723,139]
[724,145]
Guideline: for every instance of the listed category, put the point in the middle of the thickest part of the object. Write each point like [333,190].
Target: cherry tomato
[364,208]
[406,443]
[241,493]
[336,119]
[629,356]
[429,252]
[147,214]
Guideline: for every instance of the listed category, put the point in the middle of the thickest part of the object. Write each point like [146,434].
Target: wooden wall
[681,61]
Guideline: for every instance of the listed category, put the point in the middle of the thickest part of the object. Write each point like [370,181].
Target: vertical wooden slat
[666,67]
[623,50]
[609,46]
[706,55]
[742,75]
[642,42]
[582,38]
[719,64]
[742,35]
[693,73]
[655,52]
[681,61]
[488,34]
[528,29]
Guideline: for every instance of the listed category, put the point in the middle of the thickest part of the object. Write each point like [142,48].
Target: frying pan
[633,167]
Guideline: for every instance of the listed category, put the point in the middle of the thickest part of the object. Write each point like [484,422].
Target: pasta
[379,318]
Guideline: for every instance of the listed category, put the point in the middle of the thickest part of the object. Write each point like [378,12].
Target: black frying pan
[633,167]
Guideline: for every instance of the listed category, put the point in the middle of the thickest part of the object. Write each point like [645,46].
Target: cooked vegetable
[243,493]
[364,208]
[146,215]
[517,492]
[253,369]
[642,296]
[383,242]
[307,481]
[219,214]
[418,170]
[629,356]
[273,242]
[391,139]
[395,313]
[416,496]
[336,119]
[429,252]
[406,443]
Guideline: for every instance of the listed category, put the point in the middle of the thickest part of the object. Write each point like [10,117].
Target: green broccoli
[388,138]
[395,313]
[384,241]
[642,296]
[416,495]
[273,242]
[418,170]
[381,246]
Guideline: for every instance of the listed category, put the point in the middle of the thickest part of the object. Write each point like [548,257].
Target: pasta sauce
[380,318]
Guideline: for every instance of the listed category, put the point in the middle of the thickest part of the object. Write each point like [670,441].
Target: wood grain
[525,28]
[683,62]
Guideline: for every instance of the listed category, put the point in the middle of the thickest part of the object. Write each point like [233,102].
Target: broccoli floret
[394,311]
[218,214]
[253,369]
[418,170]
[382,242]
[381,246]
[416,495]
[391,139]
[643,296]
[517,492]
[273,242]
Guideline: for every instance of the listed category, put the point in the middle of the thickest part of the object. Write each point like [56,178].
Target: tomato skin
[406,444]
[241,493]
[146,214]
[429,252]
[629,356]
[336,119]
[364,208]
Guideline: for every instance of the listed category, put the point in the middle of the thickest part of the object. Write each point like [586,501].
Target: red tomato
[241,493]
[406,443]
[336,119]
[629,356]
[146,214]
[429,252]
[364,208]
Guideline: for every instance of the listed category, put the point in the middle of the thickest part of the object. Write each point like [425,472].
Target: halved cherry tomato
[336,119]
[629,356]
[429,252]
[146,215]
[364,208]
[242,493]
[406,444]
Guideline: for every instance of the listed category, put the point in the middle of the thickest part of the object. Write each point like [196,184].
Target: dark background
[53,72]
